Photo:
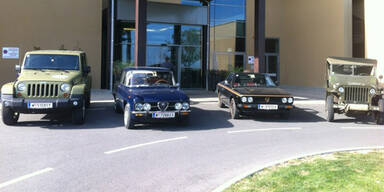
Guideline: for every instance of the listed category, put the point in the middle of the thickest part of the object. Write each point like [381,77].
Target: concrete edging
[274,163]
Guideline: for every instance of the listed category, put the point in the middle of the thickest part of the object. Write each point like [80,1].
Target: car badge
[162,105]
[267,99]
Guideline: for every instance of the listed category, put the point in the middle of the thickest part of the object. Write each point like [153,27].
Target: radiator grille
[356,94]
[43,90]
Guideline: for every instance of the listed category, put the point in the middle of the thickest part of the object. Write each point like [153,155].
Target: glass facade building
[199,41]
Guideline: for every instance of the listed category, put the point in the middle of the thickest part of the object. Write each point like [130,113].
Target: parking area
[48,153]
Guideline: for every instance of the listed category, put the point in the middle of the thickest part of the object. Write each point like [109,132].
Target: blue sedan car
[150,94]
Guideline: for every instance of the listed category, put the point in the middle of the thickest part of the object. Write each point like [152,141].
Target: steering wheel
[162,81]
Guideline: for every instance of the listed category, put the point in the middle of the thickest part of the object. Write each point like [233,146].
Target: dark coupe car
[148,95]
[250,93]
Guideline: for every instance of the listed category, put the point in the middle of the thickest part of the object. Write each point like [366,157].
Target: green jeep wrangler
[48,81]
[352,88]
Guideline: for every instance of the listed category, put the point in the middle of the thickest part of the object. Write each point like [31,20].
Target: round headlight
[290,100]
[284,100]
[185,106]
[250,99]
[244,99]
[341,89]
[65,87]
[178,106]
[372,91]
[147,106]
[21,86]
[139,107]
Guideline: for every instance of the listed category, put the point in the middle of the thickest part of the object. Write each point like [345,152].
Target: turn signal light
[18,95]
[246,106]
[65,94]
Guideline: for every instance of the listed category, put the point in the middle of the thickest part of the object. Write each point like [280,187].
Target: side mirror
[177,85]
[18,68]
[87,69]
[277,82]
[226,82]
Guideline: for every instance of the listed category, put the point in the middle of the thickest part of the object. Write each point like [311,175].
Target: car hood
[48,75]
[160,94]
[261,91]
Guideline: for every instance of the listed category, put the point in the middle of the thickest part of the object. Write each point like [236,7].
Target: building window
[272,58]
[358,30]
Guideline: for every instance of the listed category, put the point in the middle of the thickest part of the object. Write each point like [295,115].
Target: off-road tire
[78,115]
[220,102]
[128,121]
[235,113]
[330,109]
[9,116]
[379,118]
[88,101]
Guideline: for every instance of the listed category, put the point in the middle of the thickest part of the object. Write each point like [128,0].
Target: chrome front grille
[354,94]
[43,90]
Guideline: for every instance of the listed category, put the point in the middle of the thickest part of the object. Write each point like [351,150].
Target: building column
[259,66]
[141,32]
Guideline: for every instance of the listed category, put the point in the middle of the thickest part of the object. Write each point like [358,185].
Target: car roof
[56,52]
[351,61]
[147,68]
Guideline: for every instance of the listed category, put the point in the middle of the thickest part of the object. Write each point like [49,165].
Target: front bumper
[356,107]
[255,108]
[21,105]
[147,116]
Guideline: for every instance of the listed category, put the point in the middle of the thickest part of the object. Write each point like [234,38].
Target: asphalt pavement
[48,153]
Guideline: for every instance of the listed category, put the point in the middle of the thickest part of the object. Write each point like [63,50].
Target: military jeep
[48,82]
[352,88]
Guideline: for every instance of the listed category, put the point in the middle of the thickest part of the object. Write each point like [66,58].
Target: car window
[357,70]
[363,70]
[252,80]
[51,62]
[150,78]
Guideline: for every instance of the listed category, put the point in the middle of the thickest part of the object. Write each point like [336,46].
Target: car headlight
[185,106]
[284,100]
[21,87]
[341,89]
[139,107]
[178,106]
[250,99]
[244,99]
[65,87]
[372,91]
[147,106]
[290,100]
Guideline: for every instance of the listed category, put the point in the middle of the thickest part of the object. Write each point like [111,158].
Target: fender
[381,105]
[78,89]
[8,89]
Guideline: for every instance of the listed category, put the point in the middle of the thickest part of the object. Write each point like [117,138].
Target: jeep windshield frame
[352,70]
[52,62]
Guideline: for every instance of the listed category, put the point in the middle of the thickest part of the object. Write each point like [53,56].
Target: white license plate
[268,107]
[40,105]
[163,115]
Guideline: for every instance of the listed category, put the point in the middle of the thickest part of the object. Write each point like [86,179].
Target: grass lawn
[346,171]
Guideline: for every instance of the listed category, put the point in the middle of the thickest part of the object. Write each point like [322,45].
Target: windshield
[253,80]
[356,70]
[51,62]
[150,78]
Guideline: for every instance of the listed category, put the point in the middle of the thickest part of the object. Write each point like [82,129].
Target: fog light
[75,103]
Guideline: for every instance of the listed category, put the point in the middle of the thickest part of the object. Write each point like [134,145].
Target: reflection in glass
[160,34]
[191,74]
[190,35]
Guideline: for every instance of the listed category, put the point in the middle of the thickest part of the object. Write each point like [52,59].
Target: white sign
[10,53]
[251,60]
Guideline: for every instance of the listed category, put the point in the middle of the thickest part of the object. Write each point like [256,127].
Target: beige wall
[309,32]
[374,31]
[50,24]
